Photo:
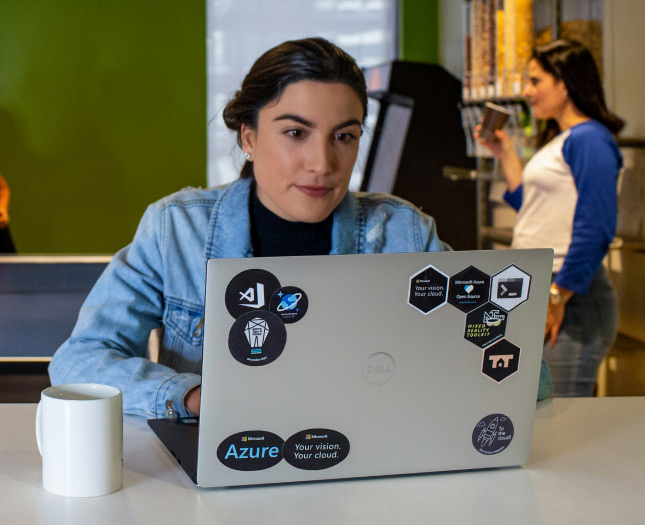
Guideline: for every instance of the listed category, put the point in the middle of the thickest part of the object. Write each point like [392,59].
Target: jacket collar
[230,225]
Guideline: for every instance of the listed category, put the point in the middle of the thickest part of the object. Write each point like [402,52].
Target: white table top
[587,466]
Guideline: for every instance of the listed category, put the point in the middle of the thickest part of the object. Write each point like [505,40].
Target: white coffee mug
[79,430]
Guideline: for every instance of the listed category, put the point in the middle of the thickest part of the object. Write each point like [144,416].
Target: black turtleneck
[272,236]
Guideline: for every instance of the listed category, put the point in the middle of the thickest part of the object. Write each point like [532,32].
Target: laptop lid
[346,366]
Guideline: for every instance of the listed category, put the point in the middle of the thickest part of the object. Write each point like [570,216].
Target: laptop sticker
[501,360]
[485,325]
[510,288]
[469,289]
[316,449]
[493,434]
[251,450]
[289,303]
[257,338]
[428,290]
[250,291]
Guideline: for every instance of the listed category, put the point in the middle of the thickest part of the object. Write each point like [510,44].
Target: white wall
[624,62]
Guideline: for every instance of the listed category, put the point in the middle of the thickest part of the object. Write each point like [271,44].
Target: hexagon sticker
[485,325]
[510,287]
[501,360]
[428,290]
[469,289]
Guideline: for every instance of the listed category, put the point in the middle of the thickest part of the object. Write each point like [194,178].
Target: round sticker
[250,450]
[316,449]
[257,338]
[493,434]
[250,291]
[289,303]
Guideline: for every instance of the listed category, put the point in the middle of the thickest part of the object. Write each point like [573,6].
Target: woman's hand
[192,399]
[554,318]
[501,148]
[555,313]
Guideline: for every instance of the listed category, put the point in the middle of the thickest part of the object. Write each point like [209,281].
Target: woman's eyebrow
[308,123]
[296,118]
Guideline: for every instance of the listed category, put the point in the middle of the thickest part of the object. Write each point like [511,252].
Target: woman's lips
[314,191]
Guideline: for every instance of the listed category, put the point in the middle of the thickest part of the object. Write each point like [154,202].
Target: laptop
[353,366]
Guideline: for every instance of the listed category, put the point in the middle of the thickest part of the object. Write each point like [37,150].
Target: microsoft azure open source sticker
[493,434]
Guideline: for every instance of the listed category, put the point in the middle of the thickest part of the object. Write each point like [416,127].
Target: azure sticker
[316,449]
[250,291]
[493,434]
[251,450]
[257,338]
[469,289]
[427,290]
[289,303]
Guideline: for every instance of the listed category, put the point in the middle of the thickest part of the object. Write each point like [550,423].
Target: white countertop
[587,466]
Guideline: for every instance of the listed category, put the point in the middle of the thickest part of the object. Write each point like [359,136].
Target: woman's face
[546,95]
[304,149]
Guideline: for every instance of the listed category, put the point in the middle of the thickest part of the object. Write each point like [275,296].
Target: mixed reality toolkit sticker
[493,434]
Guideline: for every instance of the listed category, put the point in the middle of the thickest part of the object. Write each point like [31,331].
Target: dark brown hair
[314,59]
[571,62]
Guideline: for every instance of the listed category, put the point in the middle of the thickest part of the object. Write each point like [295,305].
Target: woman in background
[566,198]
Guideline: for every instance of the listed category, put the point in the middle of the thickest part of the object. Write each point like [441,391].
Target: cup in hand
[494,118]
[79,430]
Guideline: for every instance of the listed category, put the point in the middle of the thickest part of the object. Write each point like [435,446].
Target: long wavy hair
[571,62]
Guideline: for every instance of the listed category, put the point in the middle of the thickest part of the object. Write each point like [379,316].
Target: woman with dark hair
[298,118]
[566,200]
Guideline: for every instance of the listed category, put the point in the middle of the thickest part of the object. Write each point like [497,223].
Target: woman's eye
[345,137]
[296,133]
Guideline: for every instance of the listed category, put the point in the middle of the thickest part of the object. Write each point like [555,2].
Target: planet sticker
[289,303]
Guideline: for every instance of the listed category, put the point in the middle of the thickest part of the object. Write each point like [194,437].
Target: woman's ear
[247,136]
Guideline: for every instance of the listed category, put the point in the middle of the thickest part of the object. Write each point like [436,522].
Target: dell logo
[378,368]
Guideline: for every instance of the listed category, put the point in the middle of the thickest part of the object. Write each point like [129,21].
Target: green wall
[419,30]
[102,111]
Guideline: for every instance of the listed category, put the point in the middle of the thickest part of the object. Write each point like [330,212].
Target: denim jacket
[158,280]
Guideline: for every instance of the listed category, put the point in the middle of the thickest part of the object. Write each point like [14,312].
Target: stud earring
[247,155]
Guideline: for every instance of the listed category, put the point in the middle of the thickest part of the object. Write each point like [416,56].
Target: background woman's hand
[501,147]
[554,318]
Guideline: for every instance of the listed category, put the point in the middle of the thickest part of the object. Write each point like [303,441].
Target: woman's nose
[320,157]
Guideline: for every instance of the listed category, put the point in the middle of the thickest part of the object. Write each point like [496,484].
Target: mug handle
[38,429]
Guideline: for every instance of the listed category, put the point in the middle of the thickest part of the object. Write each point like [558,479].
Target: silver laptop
[335,367]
